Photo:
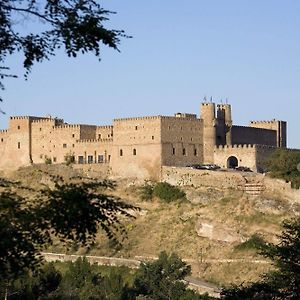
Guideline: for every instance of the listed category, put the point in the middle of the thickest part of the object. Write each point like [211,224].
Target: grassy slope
[171,227]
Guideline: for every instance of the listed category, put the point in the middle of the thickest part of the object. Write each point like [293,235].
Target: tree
[70,211]
[284,281]
[163,278]
[285,164]
[75,25]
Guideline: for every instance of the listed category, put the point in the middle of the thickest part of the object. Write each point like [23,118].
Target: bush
[167,192]
[48,160]
[162,190]
[254,242]
[69,158]
[146,191]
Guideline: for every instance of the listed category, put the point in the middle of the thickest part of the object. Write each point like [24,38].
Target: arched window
[134,152]
[121,152]
[232,162]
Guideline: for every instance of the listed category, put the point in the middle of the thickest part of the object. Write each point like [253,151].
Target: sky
[247,52]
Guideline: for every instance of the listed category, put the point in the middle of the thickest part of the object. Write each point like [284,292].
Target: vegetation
[73,212]
[162,190]
[48,160]
[161,279]
[75,25]
[69,158]
[285,164]
[254,242]
[284,281]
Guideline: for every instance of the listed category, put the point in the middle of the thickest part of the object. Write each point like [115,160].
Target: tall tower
[224,124]
[208,115]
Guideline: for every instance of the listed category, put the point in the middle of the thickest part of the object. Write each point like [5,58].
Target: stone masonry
[139,147]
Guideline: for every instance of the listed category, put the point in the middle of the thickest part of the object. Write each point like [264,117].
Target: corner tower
[208,115]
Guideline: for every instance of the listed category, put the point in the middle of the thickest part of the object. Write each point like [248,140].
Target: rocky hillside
[214,229]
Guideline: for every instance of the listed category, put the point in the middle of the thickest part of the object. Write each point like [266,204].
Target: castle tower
[208,116]
[224,124]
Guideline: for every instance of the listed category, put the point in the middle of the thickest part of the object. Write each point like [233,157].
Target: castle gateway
[139,147]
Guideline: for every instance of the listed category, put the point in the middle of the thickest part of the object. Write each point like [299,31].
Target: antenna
[226,100]
[211,99]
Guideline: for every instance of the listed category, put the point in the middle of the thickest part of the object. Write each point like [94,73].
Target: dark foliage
[285,164]
[284,282]
[73,212]
[163,278]
[75,25]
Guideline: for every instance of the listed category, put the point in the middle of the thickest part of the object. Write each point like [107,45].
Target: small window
[54,159]
[195,152]
[183,151]
[100,158]
[19,145]
[134,152]
[121,152]
[99,136]
[1,140]
[181,138]
[64,145]
[173,151]
[169,127]
[109,158]
[152,137]
[40,129]
[180,127]
[191,139]
[136,127]
[90,159]
[80,159]
[108,135]
[73,135]
[73,145]
[19,127]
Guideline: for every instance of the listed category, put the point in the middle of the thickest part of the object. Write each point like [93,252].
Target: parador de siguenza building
[139,147]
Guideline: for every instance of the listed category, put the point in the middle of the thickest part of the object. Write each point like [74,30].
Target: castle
[139,147]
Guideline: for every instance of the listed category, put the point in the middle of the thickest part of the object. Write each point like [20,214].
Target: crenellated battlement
[47,120]
[105,127]
[236,146]
[3,131]
[137,118]
[274,121]
[95,140]
[66,126]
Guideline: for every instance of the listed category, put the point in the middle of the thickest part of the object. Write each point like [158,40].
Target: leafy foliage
[76,25]
[254,242]
[284,282]
[163,278]
[162,190]
[285,164]
[73,212]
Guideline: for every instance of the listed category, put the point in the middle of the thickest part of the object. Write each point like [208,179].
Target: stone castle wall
[251,135]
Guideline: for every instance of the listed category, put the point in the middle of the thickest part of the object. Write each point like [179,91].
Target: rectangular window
[109,158]
[195,152]
[100,158]
[152,137]
[54,159]
[80,159]
[90,159]
[1,140]
[136,127]
[19,127]
[173,151]
[99,136]
[73,135]
[19,145]
[64,145]
[183,151]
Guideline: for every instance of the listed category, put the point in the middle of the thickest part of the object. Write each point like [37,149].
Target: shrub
[146,191]
[69,158]
[48,160]
[254,242]
[167,192]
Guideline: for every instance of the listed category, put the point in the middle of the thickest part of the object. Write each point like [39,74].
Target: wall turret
[208,115]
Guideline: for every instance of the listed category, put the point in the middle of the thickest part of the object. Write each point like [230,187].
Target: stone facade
[139,147]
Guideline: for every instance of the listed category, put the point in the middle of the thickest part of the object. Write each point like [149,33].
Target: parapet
[235,146]
[185,115]
[90,141]
[138,118]
[264,122]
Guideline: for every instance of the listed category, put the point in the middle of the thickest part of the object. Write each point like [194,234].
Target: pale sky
[246,51]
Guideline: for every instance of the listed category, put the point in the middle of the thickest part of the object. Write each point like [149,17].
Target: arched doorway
[232,162]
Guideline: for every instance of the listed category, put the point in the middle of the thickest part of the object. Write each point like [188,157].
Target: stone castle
[139,147]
